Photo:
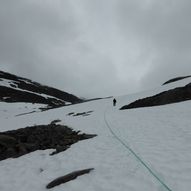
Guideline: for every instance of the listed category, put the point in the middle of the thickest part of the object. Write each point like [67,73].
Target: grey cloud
[27,29]
[96,48]
[161,29]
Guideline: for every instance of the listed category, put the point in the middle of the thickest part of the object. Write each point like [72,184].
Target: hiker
[114,102]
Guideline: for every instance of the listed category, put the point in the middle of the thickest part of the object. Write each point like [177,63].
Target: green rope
[136,156]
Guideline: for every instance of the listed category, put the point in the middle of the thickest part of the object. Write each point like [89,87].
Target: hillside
[175,95]
[17,89]
[145,148]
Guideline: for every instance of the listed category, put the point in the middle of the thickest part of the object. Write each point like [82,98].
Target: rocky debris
[71,113]
[86,113]
[68,177]
[176,79]
[18,142]
[171,96]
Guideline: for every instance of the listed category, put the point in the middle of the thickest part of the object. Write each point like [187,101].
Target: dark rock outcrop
[176,79]
[85,113]
[22,141]
[68,177]
[171,96]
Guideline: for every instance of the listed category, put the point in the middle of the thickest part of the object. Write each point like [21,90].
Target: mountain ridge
[173,95]
[18,89]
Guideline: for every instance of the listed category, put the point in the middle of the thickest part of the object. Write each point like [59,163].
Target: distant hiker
[114,102]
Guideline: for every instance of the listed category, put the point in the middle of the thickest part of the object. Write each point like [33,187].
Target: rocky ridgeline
[40,137]
[25,90]
[171,96]
[176,79]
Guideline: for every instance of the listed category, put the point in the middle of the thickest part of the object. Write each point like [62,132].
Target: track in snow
[134,154]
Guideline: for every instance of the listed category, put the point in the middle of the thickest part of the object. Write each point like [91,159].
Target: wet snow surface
[160,136]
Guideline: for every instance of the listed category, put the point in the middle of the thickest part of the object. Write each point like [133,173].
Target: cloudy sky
[96,47]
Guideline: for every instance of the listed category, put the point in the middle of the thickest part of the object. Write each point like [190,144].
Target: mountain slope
[18,89]
[174,95]
[139,149]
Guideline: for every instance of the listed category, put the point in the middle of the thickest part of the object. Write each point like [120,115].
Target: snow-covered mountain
[174,95]
[142,148]
[18,89]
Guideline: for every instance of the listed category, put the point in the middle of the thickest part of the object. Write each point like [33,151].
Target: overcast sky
[96,48]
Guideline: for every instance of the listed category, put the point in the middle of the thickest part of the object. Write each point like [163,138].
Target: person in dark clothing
[114,102]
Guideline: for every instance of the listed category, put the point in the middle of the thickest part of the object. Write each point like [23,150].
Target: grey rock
[8,141]
[68,177]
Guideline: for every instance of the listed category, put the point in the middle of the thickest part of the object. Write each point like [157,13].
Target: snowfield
[138,149]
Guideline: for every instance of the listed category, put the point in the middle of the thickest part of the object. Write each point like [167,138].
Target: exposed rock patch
[68,177]
[167,97]
[176,79]
[85,113]
[52,136]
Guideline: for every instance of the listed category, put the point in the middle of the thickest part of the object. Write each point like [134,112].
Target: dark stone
[71,113]
[21,149]
[8,141]
[31,147]
[176,79]
[10,152]
[68,177]
[86,136]
[81,113]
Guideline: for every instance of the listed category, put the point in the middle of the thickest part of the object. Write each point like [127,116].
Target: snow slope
[139,149]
